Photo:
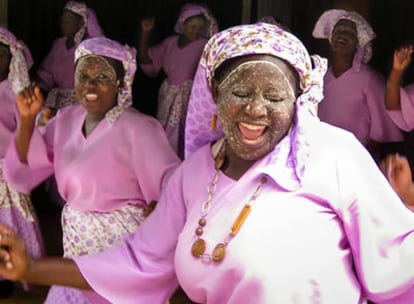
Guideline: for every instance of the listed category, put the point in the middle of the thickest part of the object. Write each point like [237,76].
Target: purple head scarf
[258,38]
[102,46]
[20,62]
[327,21]
[90,24]
[190,10]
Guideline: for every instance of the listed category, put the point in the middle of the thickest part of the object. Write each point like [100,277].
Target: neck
[91,121]
[234,166]
[183,41]
[340,63]
[70,42]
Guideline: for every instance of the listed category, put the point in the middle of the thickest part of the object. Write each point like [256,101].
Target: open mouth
[90,97]
[251,134]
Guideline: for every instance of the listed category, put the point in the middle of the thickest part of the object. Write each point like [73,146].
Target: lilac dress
[341,236]
[107,179]
[180,65]
[57,72]
[404,118]
[16,210]
[355,101]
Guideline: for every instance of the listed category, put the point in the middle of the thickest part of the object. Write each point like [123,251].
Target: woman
[55,74]
[99,151]
[177,56]
[16,210]
[313,203]
[353,91]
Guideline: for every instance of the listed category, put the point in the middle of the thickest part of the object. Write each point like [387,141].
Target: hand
[147,24]
[397,170]
[30,102]
[14,258]
[402,58]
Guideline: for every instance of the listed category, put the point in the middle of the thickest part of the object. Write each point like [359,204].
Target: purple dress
[107,179]
[16,210]
[341,236]
[355,101]
[180,65]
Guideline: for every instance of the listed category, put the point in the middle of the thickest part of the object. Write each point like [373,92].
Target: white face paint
[255,103]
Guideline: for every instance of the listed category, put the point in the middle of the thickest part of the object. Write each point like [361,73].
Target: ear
[214,89]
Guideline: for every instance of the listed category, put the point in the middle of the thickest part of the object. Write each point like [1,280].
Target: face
[344,37]
[70,24]
[96,84]
[5,57]
[256,104]
[194,27]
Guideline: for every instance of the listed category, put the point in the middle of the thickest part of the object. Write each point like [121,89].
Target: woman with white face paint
[99,151]
[270,206]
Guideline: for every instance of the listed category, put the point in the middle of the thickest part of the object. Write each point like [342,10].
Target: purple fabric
[322,243]
[355,101]
[404,118]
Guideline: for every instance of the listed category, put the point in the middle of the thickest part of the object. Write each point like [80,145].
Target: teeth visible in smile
[252,127]
[91,96]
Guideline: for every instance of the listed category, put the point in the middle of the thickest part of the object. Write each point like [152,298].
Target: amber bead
[202,222]
[199,231]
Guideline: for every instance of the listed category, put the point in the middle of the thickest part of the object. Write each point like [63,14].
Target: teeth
[91,96]
[252,127]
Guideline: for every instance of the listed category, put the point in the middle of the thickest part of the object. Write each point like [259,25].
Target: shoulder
[132,119]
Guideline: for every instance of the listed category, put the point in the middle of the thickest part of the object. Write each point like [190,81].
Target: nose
[256,108]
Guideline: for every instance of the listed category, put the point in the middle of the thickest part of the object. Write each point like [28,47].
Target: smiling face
[344,37]
[194,27]
[96,84]
[256,104]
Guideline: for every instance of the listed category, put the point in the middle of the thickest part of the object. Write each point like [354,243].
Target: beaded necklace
[219,252]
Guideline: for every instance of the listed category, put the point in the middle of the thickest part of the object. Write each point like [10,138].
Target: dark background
[36,22]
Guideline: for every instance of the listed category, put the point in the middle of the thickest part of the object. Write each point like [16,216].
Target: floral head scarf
[20,62]
[327,21]
[190,10]
[268,39]
[102,46]
[90,24]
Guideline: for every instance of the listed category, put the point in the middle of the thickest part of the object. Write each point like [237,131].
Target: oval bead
[198,248]
[219,252]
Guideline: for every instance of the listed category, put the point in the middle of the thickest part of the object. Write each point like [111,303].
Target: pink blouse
[404,118]
[342,236]
[355,101]
[122,163]
[179,64]
[57,69]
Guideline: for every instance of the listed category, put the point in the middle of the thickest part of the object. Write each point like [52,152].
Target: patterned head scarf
[20,62]
[266,39]
[90,21]
[102,46]
[327,21]
[190,10]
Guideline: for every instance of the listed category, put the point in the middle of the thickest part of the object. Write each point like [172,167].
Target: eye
[274,97]
[103,78]
[240,93]
[83,77]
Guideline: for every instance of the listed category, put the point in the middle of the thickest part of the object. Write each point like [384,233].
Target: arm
[401,61]
[16,264]
[146,27]
[397,170]
[29,103]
